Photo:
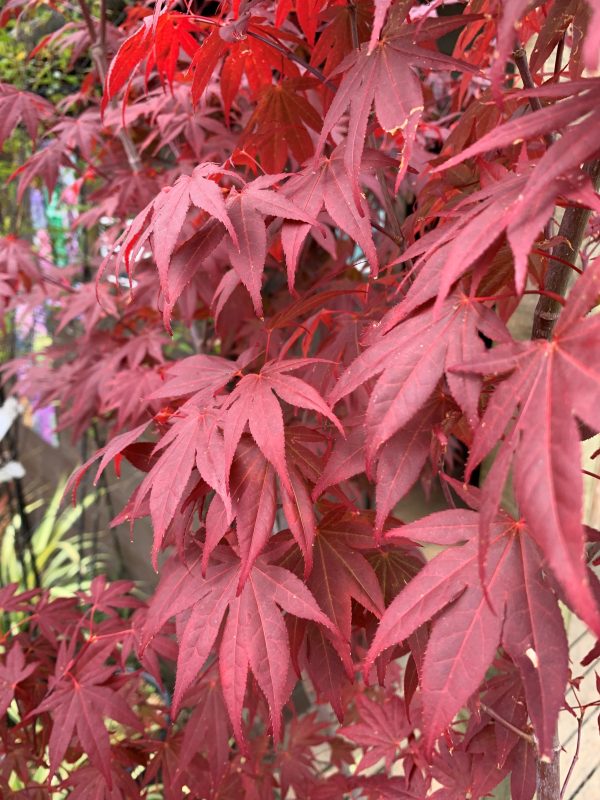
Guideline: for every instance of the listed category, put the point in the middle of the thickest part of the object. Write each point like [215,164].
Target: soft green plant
[66,559]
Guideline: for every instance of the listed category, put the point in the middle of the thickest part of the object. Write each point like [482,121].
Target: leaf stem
[508,725]
[285,51]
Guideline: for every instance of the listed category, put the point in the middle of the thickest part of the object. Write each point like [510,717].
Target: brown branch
[571,231]
[520,59]
[102,33]
[548,775]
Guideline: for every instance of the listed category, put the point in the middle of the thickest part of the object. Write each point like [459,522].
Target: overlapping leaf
[381,727]
[157,41]
[342,573]
[279,126]
[384,77]
[253,401]
[254,636]
[533,414]
[79,702]
[247,211]
[12,672]
[243,215]
[410,360]
[165,216]
[557,172]
[517,608]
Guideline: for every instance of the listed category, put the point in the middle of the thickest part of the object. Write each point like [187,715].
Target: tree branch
[98,49]
[572,229]
[548,775]
[520,59]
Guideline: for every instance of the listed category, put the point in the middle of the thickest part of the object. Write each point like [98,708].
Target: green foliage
[65,557]
[47,72]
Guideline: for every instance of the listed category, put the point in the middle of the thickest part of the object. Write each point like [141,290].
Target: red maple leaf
[158,41]
[279,125]
[254,635]
[18,260]
[327,185]
[384,77]
[517,608]
[26,108]
[382,726]
[533,414]
[79,700]
[12,672]
[410,359]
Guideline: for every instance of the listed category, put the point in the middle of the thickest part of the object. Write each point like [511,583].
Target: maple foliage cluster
[313,224]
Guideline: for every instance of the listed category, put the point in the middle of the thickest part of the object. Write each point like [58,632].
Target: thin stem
[354,27]
[510,296]
[568,264]
[559,57]
[293,57]
[575,757]
[62,285]
[397,241]
[104,485]
[82,515]
[591,474]
[88,19]
[508,725]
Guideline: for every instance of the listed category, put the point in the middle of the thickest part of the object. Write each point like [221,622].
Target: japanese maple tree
[313,230]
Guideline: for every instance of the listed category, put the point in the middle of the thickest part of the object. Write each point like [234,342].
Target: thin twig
[508,725]
[88,19]
[591,474]
[82,515]
[559,56]
[575,757]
